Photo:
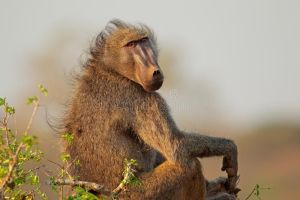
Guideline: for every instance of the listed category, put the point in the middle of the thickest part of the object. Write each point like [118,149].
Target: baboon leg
[215,186]
[222,196]
[215,190]
[170,181]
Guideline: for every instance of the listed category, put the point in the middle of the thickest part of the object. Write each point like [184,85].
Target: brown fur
[113,117]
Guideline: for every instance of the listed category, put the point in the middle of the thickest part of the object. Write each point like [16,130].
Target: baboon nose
[156,73]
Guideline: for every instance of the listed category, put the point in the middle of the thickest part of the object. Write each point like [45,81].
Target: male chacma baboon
[116,114]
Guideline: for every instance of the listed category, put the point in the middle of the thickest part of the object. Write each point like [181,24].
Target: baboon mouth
[153,85]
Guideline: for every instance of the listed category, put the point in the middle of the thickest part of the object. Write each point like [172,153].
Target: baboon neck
[107,76]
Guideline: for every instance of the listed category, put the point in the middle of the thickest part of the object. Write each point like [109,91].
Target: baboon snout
[155,79]
[156,74]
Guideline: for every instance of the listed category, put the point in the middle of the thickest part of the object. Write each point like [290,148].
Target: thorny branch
[128,176]
[88,185]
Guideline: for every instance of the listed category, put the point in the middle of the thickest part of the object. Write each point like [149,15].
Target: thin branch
[47,172]
[68,166]
[34,169]
[122,185]
[248,197]
[12,167]
[71,163]
[36,105]
[89,185]
[61,193]
[15,125]
[128,175]
[254,189]
[59,165]
[6,136]
[4,124]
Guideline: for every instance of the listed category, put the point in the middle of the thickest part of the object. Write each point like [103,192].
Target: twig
[15,125]
[90,185]
[61,193]
[68,166]
[34,169]
[71,163]
[6,135]
[122,185]
[254,189]
[4,124]
[248,197]
[128,175]
[12,167]
[36,105]
[59,165]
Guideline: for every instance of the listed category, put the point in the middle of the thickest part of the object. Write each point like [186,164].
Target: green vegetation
[16,151]
[256,192]
[18,181]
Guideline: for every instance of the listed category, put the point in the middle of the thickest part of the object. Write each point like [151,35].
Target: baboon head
[131,51]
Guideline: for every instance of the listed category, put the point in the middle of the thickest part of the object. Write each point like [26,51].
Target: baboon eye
[145,39]
[131,44]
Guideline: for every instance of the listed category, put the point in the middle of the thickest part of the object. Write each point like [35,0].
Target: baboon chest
[139,150]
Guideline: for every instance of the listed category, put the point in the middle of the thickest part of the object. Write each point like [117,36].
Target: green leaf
[82,194]
[53,185]
[42,194]
[69,137]
[6,161]
[20,180]
[43,89]
[9,109]
[77,162]
[32,99]
[2,101]
[133,162]
[29,140]
[3,171]
[65,157]
[35,179]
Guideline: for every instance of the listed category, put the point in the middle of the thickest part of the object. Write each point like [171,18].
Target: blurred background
[232,69]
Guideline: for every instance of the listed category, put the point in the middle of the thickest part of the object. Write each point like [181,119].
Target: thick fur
[113,118]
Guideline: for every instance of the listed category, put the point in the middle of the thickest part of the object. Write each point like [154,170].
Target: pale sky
[236,60]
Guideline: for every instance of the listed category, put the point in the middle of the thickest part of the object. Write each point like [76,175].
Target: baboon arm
[156,128]
[159,159]
[163,138]
[206,146]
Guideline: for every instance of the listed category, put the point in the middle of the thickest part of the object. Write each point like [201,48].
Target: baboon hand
[230,165]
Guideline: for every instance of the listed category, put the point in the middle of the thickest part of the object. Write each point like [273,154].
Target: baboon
[116,114]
